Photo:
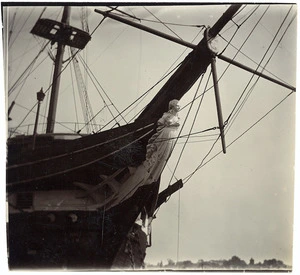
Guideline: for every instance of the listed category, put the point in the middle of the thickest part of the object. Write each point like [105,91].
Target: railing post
[40,97]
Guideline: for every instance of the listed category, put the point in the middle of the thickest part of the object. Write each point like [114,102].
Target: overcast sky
[238,204]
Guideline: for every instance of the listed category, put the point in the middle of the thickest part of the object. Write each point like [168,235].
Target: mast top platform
[61,33]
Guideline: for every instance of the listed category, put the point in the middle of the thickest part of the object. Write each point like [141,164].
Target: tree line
[233,263]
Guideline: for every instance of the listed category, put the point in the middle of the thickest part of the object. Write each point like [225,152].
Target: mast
[56,76]
[63,34]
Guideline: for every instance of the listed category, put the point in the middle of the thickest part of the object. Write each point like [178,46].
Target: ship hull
[79,239]
[56,221]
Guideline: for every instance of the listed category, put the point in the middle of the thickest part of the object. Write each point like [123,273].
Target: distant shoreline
[233,264]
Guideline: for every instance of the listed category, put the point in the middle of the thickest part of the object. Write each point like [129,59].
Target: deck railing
[62,127]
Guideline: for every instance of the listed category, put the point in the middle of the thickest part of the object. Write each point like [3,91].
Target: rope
[197,112]
[162,23]
[15,58]
[69,61]
[143,95]
[19,59]
[188,135]
[166,74]
[91,73]
[254,9]
[240,10]
[13,87]
[251,89]
[167,165]
[245,40]
[31,110]
[186,179]
[245,55]
[201,164]
[221,76]
[239,51]
[197,141]
[178,225]
[22,120]
[20,29]
[98,25]
[181,153]
[251,12]
[123,12]
[228,43]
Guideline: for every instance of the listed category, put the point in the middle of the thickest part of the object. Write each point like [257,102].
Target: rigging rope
[221,76]
[251,13]
[247,38]
[98,25]
[228,43]
[90,73]
[195,95]
[223,73]
[162,23]
[69,61]
[189,135]
[239,11]
[193,123]
[16,128]
[58,75]
[34,112]
[201,164]
[13,87]
[197,141]
[46,91]
[143,95]
[135,100]
[165,75]
[22,83]
[14,59]
[21,28]
[178,225]
[123,12]
[187,178]
[239,25]
[245,55]
[9,45]
[251,89]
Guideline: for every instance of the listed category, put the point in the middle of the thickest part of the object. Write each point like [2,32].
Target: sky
[241,202]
